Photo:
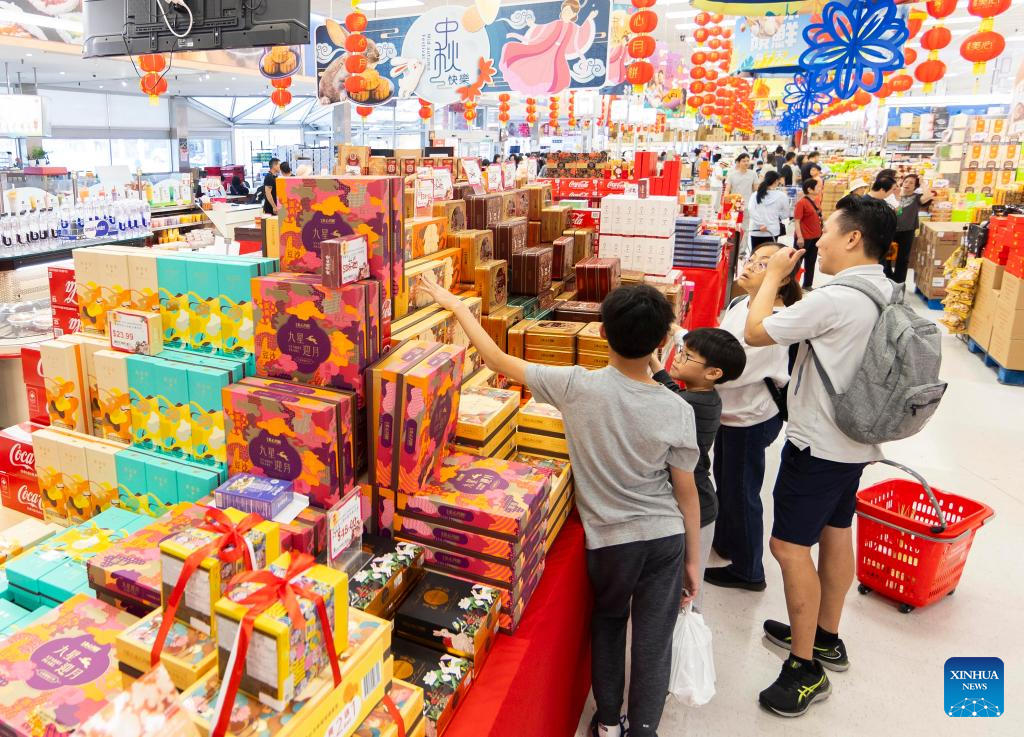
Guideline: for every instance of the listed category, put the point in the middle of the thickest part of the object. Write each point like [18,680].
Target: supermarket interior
[482,368]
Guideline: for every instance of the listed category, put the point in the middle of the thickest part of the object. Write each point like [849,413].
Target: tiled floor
[973,447]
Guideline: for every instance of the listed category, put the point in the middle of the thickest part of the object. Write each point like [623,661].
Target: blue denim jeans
[739,474]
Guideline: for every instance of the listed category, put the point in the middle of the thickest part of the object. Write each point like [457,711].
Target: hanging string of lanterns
[355,59]
[934,40]
[469,112]
[426,109]
[641,46]
[152,82]
[504,107]
[281,96]
[531,110]
[553,112]
[572,109]
[985,44]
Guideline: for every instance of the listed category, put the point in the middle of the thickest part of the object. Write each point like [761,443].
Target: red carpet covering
[536,681]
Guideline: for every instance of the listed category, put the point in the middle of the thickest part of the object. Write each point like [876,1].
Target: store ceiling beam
[207,110]
[239,117]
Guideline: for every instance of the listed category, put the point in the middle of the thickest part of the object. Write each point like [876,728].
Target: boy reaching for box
[633,449]
[706,358]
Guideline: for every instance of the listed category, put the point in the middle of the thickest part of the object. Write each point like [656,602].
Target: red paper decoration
[643,21]
[355,22]
[909,57]
[154,85]
[152,63]
[902,82]
[915,19]
[931,71]
[982,47]
[936,38]
[639,72]
[941,8]
[701,35]
[282,83]
[355,43]
[355,63]
[641,47]
[364,111]
[281,98]
[643,4]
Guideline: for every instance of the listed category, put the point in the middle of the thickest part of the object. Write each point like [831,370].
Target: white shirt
[770,213]
[838,321]
[747,401]
[742,183]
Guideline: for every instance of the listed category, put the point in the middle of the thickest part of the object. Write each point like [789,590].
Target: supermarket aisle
[895,680]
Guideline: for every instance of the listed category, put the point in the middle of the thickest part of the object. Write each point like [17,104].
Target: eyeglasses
[688,358]
[755,265]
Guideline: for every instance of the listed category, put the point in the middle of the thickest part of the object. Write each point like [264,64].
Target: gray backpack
[896,389]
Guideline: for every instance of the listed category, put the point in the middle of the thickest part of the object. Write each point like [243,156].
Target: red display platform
[536,681]
[708,294]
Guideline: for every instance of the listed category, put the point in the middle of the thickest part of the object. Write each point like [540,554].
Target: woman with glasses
[766,210]
[751,421]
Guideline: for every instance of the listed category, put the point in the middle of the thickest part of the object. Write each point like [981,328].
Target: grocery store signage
[21,115]
[448,54]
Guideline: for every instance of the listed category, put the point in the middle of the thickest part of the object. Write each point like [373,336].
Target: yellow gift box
[323,709]
[208,583]
[188,654]
[281,660]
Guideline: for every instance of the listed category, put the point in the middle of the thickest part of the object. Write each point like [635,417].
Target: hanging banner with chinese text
[446,55]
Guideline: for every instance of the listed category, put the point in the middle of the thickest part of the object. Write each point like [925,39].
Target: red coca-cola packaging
[21,493]
[35,388]
[65,321]
[62,287]
[585,217]
[19,489]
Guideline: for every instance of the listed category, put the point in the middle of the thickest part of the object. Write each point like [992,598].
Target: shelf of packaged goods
[9,262]
[172,208]
[161,228]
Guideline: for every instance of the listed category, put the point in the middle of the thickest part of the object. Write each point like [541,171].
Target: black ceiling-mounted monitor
[119,27]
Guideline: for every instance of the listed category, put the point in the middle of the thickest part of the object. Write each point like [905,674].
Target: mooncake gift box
[260,495]
[520,203]
[208,583]
[553,334]
[596,277]
[366,670]
[187,654]
[147,708]
[538,197]
[590,340]
[24,535]
[531,271]
[351,442]
[408,700]
[533,233]
[415,395]
[425,236]
[380,586]
[445,680]
[483,211]
[285,436]
[494,496]
[574,310]
[130,568]
[284,655]
[451,615]
[102,282]
[483,412]
[477,568]
[510,237]
[344,260]
[477,246]
[316,335]
[498,323]
[583,243]
[550,356]
[437,271]
[60,670]
[562,259]
[315,209]
[454,211]
[492,282]
[67,393]
[418,529]
[553,222]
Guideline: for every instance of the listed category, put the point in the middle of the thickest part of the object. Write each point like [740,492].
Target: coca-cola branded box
[19,487]
[35,385]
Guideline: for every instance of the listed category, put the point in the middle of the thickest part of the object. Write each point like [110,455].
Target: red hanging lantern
[726,33]
[715,43]
[355,63]
[884,91]
[713,57]
[355,43]
[641,47]
[702,18]
[701,35]
[862,97]
[643,21]
[698,73]
[696,87]
[364,111]
[281,83]
[154,85]
[715,30]
[694,101]
[902,82]
[152,63]
[355,22]
[936,38]
[707,110]
[712,74]
[639,72]
[698,57]
[915,20]
[354,84]
[469,114]
[281,98]
[909,57]
[931,71]
[426,112]
[981,48]
[941,8]
[641,4]
[504,117]
[504,97]
[531,119]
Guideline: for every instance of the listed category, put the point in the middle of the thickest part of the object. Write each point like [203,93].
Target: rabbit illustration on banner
[409,72]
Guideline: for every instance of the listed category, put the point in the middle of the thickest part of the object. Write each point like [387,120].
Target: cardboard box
[445,679]
[425,236]
[409,702]
[324,710]
[533,233]
[68,673]
[210,581]
[492,282]
[345,260]
[498,323]
[448,614]
[550,356]
[102,283]
[538,197]
[415,395]
[316,335]
[553,334]
[381,585]
[67,398]
[284,656]
[187,654]
[483,412]
[438,271]
[21,493]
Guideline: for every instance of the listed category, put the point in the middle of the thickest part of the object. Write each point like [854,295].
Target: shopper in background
[270,204]
[892,198]
[882,189]
[641,514]
[811,160]
[779,159]
[742,179]
[707,358]
[807,215]
[286,169]
[751,421]
[790,171]
[766,210]
[911,200]
[238,188]
[816,490]
[858,187]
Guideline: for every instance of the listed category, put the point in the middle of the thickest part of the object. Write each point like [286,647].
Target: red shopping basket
[912,543]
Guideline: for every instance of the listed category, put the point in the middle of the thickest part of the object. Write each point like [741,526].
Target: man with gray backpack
[866,373]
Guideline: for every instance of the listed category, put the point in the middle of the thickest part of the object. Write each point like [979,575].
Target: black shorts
[811,494]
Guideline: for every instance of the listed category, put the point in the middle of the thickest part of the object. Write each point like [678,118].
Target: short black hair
[883,184]
[779,149]
[742,156]
[274,161]
[636,320]
[790,156]
[286,167]
[719,349]
[873,218]
[813,154]
[809,184]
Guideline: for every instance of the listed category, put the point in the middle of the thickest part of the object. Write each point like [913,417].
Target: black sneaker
[832,657]
[595,732]
[725,578]
[796,688]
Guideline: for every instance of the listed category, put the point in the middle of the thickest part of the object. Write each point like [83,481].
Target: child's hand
[654,363]
[691,583]
[439,294]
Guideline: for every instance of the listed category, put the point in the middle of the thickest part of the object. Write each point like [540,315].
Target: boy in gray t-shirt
[633,448]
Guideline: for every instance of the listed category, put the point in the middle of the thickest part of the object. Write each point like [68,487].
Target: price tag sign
[474,176]
[344,525]
[494,178]
[508,172]
[531,170]
[424,190]
[631,190]
[443,187]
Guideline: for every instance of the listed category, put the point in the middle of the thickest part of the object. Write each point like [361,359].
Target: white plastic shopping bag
[693,662]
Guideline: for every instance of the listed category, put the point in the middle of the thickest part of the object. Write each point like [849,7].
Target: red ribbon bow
[229,547]
[274,589]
